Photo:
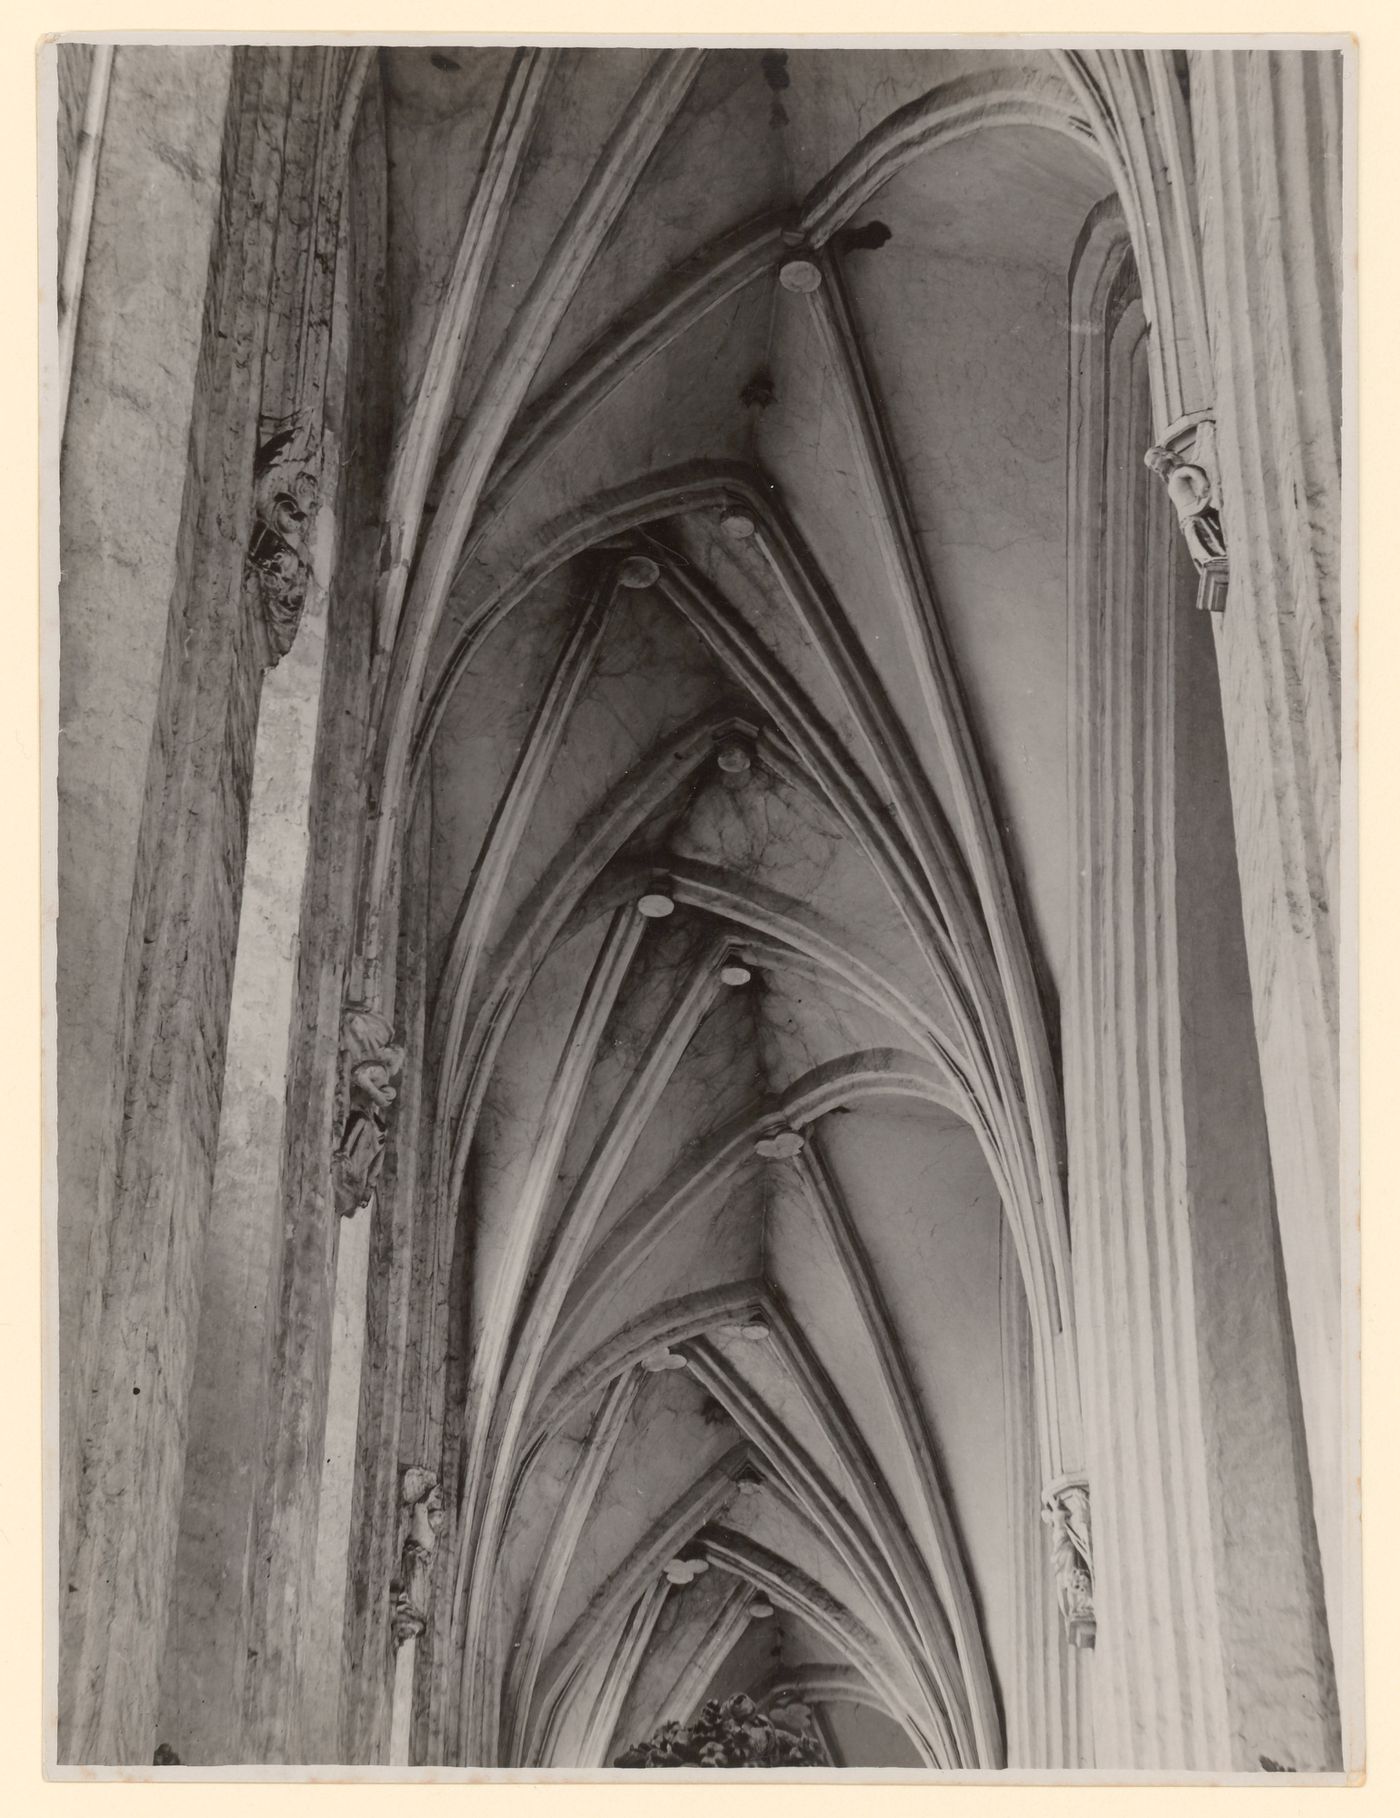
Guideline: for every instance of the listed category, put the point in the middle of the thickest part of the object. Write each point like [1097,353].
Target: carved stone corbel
[421,1520]
[1192,496]
[364,1100]
[286,494]
[1065,1510]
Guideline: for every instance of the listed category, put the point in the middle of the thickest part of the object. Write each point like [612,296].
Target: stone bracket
[1214,585]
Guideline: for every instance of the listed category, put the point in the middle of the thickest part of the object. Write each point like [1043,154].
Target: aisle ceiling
[657,1310]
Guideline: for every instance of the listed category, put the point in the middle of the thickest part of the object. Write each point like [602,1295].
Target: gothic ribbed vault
[698,1010]
[753,610]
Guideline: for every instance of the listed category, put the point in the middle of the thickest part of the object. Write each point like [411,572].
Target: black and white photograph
[702,965]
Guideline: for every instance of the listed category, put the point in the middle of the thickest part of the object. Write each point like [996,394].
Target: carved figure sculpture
[368,1061]
[286,493]
[422,1516]
[1189,489]
[425,1525]
[1066,1510]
